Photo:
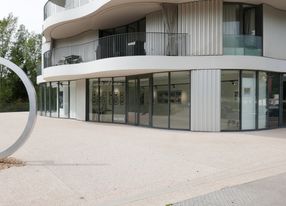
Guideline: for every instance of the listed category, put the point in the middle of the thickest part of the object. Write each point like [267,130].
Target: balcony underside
[125,66]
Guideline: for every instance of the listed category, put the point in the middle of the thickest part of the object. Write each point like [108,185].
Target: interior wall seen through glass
[106,100]
[161,100]
[262,100]
[179,100]
[64,99]
[274,100]
[248,100]
[119,99]
[230,100]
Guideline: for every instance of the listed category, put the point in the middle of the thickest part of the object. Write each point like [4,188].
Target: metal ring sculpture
[32,113]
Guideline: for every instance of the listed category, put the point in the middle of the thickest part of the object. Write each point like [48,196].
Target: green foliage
[24,49]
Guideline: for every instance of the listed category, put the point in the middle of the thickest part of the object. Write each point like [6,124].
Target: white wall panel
[202,20]
[81,99]
[274,32]
[205,100]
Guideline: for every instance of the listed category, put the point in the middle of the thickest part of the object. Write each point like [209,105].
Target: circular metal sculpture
[33,109]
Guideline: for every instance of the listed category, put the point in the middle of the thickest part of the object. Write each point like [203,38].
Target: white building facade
[204,65]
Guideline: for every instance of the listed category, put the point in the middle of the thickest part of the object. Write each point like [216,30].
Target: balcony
[129,44]
[242,45]
[53,7]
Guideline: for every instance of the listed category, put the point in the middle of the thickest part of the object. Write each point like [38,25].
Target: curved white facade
[209,41]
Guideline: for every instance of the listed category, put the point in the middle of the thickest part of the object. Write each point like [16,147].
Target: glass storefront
[249,100]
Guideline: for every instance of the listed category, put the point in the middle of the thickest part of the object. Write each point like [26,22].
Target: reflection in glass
[230,100]
[94,100]
[144,102]
[132,101]
[262,100]
[47,93]
[54,99]
[119,99]
[161,100]
[64,99]
[248,100]
[73,99]
[273,101]
[179,100]
[42,106]
[106,100]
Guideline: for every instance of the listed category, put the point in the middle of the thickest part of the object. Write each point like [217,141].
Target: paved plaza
[71,163]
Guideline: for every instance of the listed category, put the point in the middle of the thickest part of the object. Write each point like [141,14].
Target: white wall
[274,32]
[205,100]
[81,99]
[202,20]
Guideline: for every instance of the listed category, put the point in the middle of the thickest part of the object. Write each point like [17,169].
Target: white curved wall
[125,66]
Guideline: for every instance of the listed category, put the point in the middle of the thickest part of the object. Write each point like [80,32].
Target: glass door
[139,99]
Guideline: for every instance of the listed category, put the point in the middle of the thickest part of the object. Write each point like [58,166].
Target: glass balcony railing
[51,8]
[242,45]
[129,44]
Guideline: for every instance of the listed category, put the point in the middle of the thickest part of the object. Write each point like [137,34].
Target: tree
[24,49]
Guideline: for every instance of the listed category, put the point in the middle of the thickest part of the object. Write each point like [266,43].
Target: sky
[29,12]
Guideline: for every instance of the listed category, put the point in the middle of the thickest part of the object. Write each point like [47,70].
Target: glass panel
[54,99]
[274,98]
[262,101]
[42,106]
[106,100]
[179,100]
[119,100]
[161,100]
[132,102]
[230,100]
[248,100]
[144,102]
[284,102]
[93,100]
[73,99]
[64,99]
[47,93]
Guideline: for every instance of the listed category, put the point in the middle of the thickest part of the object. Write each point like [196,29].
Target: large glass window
[94,100]
[144,101]
[248,100]
[42,99]
[284,100]
[48,101]
[179,100]
[64,99]
[106,100]
[230,100]
[161,100]
[73,99]
[274,99]
[119,99]
[54,99]
[262,100]
[242,27]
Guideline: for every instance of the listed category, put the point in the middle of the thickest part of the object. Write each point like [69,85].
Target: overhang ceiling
[61,3]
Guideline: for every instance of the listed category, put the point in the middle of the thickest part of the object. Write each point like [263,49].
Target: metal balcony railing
[242,45]
[129,44]
[51,8]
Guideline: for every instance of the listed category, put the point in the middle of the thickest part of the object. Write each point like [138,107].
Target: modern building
[198,65]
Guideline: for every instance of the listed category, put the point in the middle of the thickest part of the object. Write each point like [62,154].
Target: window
[64,99]
[230,100]
[161,100]
[94,100]
[242,27]
[262,100]
[106,100]
[119,100]
[179,100]
[274,100]
[248,100]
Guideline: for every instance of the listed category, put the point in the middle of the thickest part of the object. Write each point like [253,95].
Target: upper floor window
[242,28]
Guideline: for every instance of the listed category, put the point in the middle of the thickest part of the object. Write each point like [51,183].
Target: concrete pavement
[79,163]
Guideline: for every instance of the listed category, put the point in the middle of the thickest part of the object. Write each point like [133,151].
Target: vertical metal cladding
[205,100]
[202,20]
